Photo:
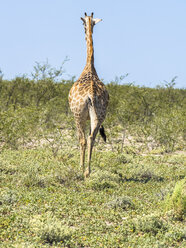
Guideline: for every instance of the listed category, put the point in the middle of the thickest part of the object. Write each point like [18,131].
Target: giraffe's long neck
[90,49]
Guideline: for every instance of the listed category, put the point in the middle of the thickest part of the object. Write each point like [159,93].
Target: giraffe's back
[88,92]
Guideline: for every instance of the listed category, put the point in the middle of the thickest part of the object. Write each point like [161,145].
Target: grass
[135,196]
[46,203]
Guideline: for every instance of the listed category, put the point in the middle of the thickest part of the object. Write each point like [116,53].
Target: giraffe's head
[89,22]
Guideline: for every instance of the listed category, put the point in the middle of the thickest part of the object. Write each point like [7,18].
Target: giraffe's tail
[101,129]
[102,133]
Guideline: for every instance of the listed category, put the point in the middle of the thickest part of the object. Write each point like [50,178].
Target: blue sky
[145,38]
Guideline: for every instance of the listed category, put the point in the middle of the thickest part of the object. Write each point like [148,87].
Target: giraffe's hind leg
[82,140]
[91,140]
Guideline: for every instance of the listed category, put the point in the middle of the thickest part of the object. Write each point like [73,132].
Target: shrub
[168,128]
[54,233]
[9,198]
[122,202]
[17,126]
[50,229]
[176,202]
[102,180]
[156,114]
[151,224]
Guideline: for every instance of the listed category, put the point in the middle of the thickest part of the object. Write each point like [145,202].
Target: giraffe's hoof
[87,173]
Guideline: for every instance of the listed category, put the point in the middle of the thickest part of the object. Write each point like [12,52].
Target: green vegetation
[135,196]
[177,200]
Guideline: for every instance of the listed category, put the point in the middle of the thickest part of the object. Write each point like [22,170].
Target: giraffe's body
[88,98]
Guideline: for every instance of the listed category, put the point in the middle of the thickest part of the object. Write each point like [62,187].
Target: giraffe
[88,99]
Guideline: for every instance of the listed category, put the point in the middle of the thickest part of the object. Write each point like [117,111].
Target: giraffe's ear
[83,19]
[96,20]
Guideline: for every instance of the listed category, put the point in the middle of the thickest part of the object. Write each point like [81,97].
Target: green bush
[151,224]
[17,127]
[176,202]
[34,108]
[168,129]
[51,230]
[101,180]
[122,202]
